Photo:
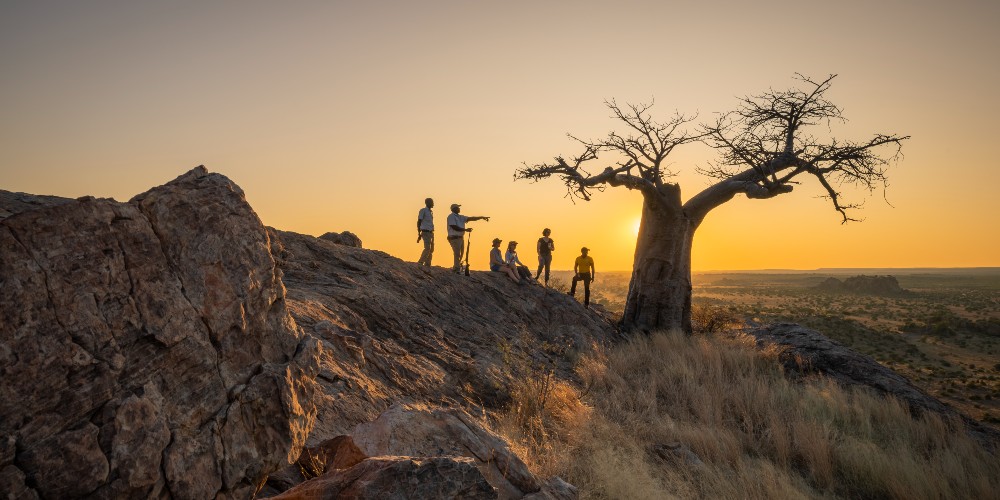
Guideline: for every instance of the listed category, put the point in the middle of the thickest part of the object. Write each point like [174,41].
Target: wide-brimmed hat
[497,240]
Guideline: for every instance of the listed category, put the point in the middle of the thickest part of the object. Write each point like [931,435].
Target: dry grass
[757,434]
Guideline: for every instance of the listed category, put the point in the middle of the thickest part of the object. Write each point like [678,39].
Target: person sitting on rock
[511,259]
[497,264]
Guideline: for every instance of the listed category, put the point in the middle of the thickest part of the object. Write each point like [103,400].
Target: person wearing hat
[515,263]
[497,264]
[456,233]
[584,271]
[425,231]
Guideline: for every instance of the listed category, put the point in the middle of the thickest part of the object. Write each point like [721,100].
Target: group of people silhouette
[507,263]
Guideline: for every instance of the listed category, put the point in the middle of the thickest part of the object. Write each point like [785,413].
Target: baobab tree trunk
[659,295]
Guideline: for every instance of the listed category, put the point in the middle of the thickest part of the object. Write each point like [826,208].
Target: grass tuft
[755,433]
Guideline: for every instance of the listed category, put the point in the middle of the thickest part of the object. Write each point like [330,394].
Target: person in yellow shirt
[584,271]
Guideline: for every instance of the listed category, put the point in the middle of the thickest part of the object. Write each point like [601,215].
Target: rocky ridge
[151,349]
[174,347]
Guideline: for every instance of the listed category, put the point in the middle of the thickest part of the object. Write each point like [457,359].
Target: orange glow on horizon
[338,116]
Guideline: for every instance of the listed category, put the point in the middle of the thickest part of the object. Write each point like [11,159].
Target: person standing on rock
[425,231]
[584,271]
[545,247]
[456,233]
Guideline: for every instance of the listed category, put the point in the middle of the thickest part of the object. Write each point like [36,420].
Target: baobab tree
[765,147]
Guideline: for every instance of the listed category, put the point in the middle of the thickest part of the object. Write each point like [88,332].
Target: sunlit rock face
[393,331]
[146,350]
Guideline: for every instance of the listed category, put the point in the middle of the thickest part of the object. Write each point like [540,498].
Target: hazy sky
[345,115]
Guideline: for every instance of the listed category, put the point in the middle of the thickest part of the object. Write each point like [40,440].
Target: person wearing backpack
[544,247]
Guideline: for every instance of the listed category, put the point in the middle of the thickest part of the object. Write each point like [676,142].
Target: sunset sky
[343,115]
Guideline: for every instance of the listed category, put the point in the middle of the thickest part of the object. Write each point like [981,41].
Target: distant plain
[943,333]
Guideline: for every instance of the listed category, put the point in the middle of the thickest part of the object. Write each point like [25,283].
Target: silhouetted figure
[425,231]
[584,271]
[456,233]
[545,247]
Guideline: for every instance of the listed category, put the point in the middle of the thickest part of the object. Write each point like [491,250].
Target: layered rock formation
[145,347]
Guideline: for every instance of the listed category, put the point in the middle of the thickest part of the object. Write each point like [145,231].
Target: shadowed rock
[15,203]
[423,431]
[398,477]
[343,238]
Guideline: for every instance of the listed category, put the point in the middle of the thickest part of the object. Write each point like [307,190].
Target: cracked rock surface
[145,347]
[395,332]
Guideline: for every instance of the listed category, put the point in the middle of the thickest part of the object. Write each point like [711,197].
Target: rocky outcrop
[150,349]
[343,238]
[398,477]
[315,461]
[145,347]
[420,431]
[863,285]
[806,351]
[415,433]
[14,203]
[395,332]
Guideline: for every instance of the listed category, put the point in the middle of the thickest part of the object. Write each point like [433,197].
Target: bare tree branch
[637,155]
[762,147]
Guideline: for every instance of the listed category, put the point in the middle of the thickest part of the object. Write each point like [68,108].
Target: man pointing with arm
[456,233]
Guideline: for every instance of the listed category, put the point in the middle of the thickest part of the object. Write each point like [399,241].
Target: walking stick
[467,246]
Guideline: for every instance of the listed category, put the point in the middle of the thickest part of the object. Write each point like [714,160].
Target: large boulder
[145,347]
[398,477]
[407,434]
[421,431]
